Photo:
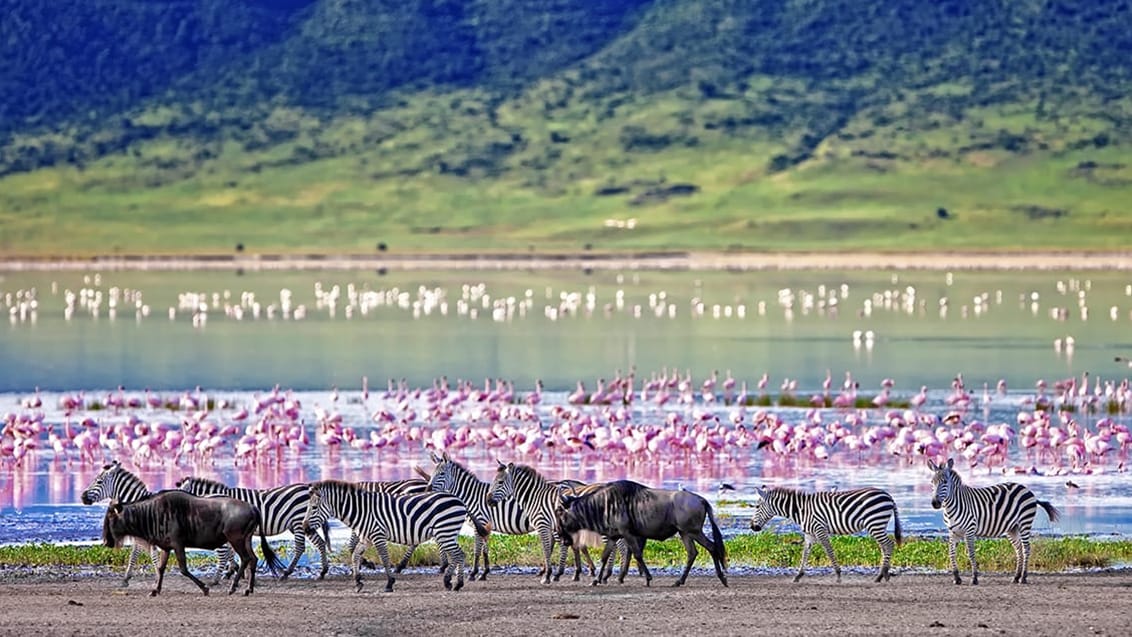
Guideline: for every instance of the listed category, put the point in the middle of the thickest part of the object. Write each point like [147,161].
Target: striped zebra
[504,516]
[537,497]
[116,483]
[380,518]
[283,509]
[1006,509]
[832,513]
[407,486]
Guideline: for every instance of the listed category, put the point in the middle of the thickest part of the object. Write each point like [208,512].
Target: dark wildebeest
[629,510]
[176,520]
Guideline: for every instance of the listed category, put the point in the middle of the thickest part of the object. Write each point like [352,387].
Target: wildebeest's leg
[692,551]
[162,562]
[806,545]
[382,547]
[637,547]
[600,576]
[578,554]
[179,551]
[247,559]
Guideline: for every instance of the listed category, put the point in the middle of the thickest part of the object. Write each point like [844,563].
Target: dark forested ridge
[78,75]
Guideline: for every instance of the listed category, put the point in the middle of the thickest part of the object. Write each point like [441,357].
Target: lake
[234,337]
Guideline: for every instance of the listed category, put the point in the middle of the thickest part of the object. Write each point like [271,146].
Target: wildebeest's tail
[716,536]
[269,555]
[896,526]
[1051,511]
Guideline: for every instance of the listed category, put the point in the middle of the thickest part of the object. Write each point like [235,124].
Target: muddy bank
[911,604]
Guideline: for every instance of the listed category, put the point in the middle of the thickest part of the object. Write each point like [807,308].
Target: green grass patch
[754,550]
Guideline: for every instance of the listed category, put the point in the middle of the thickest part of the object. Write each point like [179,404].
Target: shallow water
[171,332]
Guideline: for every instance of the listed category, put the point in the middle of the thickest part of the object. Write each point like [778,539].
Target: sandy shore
[636,261]
[1052,604]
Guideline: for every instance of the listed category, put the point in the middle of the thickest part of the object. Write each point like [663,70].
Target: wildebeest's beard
[567,526]
[111,529]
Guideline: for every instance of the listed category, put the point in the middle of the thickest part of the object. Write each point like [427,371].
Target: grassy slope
[463,169]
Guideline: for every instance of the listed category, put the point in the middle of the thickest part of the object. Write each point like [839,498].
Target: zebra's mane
[126,476]
[208,482]
[527,472]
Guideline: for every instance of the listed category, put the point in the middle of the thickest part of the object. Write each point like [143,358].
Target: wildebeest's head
[503,485]
[944,481]
[102,487]
[565,520]
[764,510]
[113,525]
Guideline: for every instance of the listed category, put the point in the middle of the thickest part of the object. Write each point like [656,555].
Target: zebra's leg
[626,559]
[823,538]
[486,565]
[806,544]
[952,542]
[477,548]
[134,551]
[324,553]
[179,551]
[223,555]
[383,551]
[1025,556]
[352,545]
[1021,556]
[356,559]
[456,559]
[162,562]
[886,546]
[971,556]
[546,537]
[562,561]
[300,548]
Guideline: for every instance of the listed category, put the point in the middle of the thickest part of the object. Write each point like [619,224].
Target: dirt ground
[518,604]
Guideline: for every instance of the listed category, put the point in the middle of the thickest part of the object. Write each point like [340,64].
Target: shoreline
[674,261]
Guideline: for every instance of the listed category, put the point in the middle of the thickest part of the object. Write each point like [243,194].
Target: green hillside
[335,125]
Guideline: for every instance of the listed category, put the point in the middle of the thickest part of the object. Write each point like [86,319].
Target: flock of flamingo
[1074,426]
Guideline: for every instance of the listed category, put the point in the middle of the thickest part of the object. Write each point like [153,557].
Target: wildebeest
[629,510]
[176,520]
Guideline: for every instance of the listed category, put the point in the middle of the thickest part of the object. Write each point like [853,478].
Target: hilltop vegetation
[331,125]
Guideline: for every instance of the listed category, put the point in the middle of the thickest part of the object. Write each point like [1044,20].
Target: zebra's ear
[445,456]
[435,459]
[501,465]
[950,463]
[510,466]
[760,492]
[932,466]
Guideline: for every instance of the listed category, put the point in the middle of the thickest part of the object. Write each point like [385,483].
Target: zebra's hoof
[677,584]
[153,593]
[247,592]
[557,577]
[459,584]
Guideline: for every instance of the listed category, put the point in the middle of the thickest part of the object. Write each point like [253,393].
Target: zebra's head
[764,511]
[316,507]
[103,485]
[443,479]
[503,485]
[944,481]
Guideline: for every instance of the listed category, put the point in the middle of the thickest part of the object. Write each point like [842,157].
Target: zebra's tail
[896,526]
[483,527]
[1052,511]
[269,556]
[716,536]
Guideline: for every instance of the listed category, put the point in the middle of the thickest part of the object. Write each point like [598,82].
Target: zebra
[395,487]
[832,513]
[283,509]
[504,516]
[537,497]
[380,518]
[115,482]
[1006,509]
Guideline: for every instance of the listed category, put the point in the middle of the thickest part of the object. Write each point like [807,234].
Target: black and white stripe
[283,509]
[116,483]
[536,495]
[407,486]
[821,515]
[380,518]
[1006,509]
